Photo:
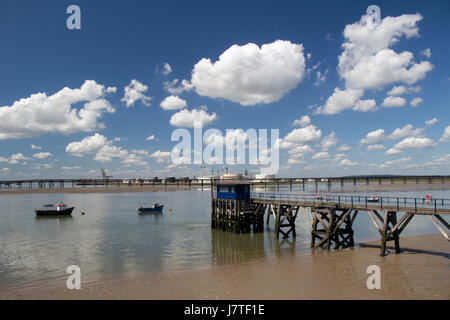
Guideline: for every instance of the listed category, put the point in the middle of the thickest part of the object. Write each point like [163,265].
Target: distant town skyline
[347,99]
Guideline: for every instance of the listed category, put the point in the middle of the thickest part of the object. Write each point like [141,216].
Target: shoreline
[421,271]
[160,188]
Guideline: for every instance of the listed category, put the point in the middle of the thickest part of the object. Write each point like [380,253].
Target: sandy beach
[421,271]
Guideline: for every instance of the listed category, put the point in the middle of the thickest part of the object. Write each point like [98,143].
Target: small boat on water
[427,199]
[319,197]
[373,198]
[154,208]
[61,209]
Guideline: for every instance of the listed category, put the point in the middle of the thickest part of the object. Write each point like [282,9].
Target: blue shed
[234,191]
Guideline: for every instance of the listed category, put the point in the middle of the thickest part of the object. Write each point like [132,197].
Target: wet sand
[421,271]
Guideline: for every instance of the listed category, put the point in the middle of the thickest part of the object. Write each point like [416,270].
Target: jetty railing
[413,204]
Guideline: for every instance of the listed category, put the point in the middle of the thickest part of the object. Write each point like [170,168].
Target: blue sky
[247,87]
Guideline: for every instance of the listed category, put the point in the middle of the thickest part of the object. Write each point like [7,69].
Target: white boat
[427,199]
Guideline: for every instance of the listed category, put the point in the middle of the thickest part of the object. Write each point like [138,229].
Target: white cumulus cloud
[344,147]
[135,91]
[374,137]
[173,103]
[250,74]
[411,143]
[306,135]
[375,147]
[405,131]
[329,141]
[160,156]
[14,158]
[416,101]
[446,136]
[39,114]
[397,91]
[42,155]
[426,53]
[187,118]
[347,163]
[166,69]
[368,63]
[87,145]
[175,87]
[302,122]
[341,100]
[393,102]
[431,121]
[321,156]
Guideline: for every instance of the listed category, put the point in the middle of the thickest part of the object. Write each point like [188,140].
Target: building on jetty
[232,209]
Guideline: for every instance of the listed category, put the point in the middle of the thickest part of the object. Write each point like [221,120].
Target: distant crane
[104,175]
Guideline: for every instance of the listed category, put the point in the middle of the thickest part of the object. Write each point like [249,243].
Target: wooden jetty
[184,181]
[236,209]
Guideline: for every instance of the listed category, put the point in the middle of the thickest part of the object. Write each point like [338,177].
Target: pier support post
[390,229]
[285,220]
[389,234]
[440,227]
[270,212]
[332,226]
[237,216]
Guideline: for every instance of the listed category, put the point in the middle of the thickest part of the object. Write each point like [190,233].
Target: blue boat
[155,208]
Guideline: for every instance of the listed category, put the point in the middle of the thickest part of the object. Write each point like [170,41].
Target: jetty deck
[357,202]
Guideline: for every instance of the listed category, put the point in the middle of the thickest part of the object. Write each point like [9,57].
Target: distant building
[264,177]
[232,176]
[208,178]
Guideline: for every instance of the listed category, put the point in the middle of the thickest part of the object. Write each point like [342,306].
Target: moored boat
[61,209]
[373,198]
[154,208]
[427,199]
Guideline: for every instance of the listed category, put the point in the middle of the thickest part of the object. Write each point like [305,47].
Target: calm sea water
[111,240]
